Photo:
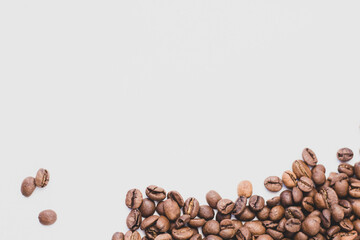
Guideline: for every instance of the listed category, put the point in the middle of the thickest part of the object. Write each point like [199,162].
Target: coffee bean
[240,205]
[243,233]
[325,198]
[196,237]
[305,184]
[354,189]
[289,179]
[345,154]
[294,212]
[246,215]
[225,206]
[118,236]
[212,198]
[227,229]
[346,225]
[155,193]
[300,169]
[326,218]
[130,235]
[162,224]
[308,204]
[256,203]
[133,220]
[263,214]
[297,195]
[309,157]
[160,208]
[273,183]
[346,207]
[264,237]
[219,216]
[164,236]
[211,227]
[206,212]
[42,178]
[311,226]
[273,201]
[286,198]
[346,168]
[275,234]
[245,188]
[255,227]
[28,186]
[337,213]
[47,217]
[191,207]
[176,196]
[172,209]
[133,198]
[277,213]
[197,222]
[293,225]
[182,221]
[151,232]
[357,170]
[148,222]
[318,176]
[147,207]
[212,237]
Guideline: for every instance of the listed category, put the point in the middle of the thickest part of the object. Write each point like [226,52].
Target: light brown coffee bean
[244,188]
[345,154]
[225,206]
[206,212]
[162,224]
[130,235]
[171,209]
[211,227]
[28,186]
[289,179]
[176,196]
[47,217]
[191,207]
[133,198]
[305,184]
[155,193]
[309,157]
[182,233]
[300,169]
[118,236]
[42,178]
[133,220]
[164,236]
[212,198]
[147,207]
[273,183]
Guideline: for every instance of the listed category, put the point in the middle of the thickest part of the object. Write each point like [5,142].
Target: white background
[187,95]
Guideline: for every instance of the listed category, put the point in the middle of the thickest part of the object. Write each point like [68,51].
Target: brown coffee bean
[357,170]
[246,215]
[326,218]
[206,212]
[182,221]
[273,183]
[294,212]
[151,232]
[300,169]
[130,235]
[255,227]
[286,198]
[264,237]
[281,225]
[196,237]
[118,236]
[275,234]
[346,207]
[133,220]
[197,222]
[309,157]
[333,230]
[225,206]
[155,193]
[311,226]
[172,209]
[47,217]
[318,176]
[191,207]
[160,208]
[263,214]
[164,236]
[346,225]
[227,229]
[133,198]
[305,184]
[147,207]
[270,224]
[148,222]
[211,227]
[289,179]
[345,154]
[346,168]
[325,198]
[354,189]
[212,237]
[277,213]
[28,186]
[293,225]
[273,201]
[297,195]
[176,196]
[243,233]
[212,198]
[337,213]
[162,224]
[240,205]
[42,178]
[256,203]
[245,188]
[219,216]
[308,204]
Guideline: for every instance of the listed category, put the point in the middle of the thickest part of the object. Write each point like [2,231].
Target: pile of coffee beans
[28,186]
[312,206]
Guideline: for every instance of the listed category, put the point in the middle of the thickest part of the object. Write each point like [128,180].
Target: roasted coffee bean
[354,189]
[305,184]
[277,213]
[172,209]
[206,212]
[294,212]
[246,215]
[345,154]
[133,220]
[130,235]
[286,198]
[341,186]
[47,217]
[293,225]
[353,235]
[225,206]
[308,204]
[227,229]
[355,204]
[42,178]
[346,168]
[148,222]
[155,193]
[147,207]
[325,198]
[270,224]
[281,225]
[356,224]
[346,206]
[118,236]
[318,175]
[162,224]
[182,221]
[164,236]
[357,170]
[151,232]
[255,227]
[309,157]
[243,233]
[300,169]
[197,222]
[176,196]
[237,224]
[273,183]
[326,218]
[346,225]
[289,179]
[263,214]
[240,205]
[212,237]
[337,213]
[245,188]
[133,198]
[196,237]
[273,201]
[264,237]
[256,203]
[311,226]
[219,216]
[333,230]
[297,195]
[28,186]
[275,234]
[191,207]
[211,227]
[212,198]
[160,208]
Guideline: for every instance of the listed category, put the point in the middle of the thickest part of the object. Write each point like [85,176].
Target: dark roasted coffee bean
[300,169]
[182,221]
[155,193]
[42,178]
[147,207]
[293,225]
[311,226]
[263,214]
[309,157]
[345,154]
[275,234]
[244,188]
[289,179]
[277,213]
[197,222]
[294,212]
[28,186]
[164,236]
[297,195]
[273,201]
[191,207]
[182,233]
[326,218]
[227,229]
[211,227]
[47,217]
[240,205]
[162,224]
[337,213]
[273,183]
[286,198]
[133,198]
[243,233]
[130,235]
[176,196]
[118,236]
[133,220]
[346,168]
[206,212]
[256,203]
[346,206]
[255,227]
[305,184]
[225,206]
[246,215]
[148,222]
[212,198]
[346,225]
[308,204]
[171,209]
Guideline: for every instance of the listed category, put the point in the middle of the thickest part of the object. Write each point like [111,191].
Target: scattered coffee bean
[345,154]
[28,186]
[42,178]
[212,198]
[309,157]
[225,206]
[133,198]
[47,217]
[118,236]
[273,184]
[155,193]
[245,188]
[289,179]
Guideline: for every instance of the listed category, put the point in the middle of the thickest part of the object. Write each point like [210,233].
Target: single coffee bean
[245,188]
[356,224]
[345,154]
[42,178]
[318,176]
[206,212]
[273,183]
[337,213]
[286,198]
[264,237]
[273,201]
[197,222]
[293,225]
[148,222]
[227,229]
[346,207]
[308,204]
[357,170]
[333,230]
[341,186]
[211,227]
[191,207]
[311,226]
[151,232]
[275,234]
[309,157]
[47,217]
[326,218]
[243,233]
[300,169]
[354,189]
[196,237]
[240,205]
[346,225]
[263,214]
[305,184]
[164,236]
[237,224]
[289,179]
[118,236]
[28,186]
[346,168]
[133,220]
[147,207]
[225,206]
[246,215]
[255,227]
[219,216]
[326,197]
[212,198]
[130,235]
[297,195]
[270,224]
[160,208]
[133,198]
[277,213]
[162,224]
[182,221]
[172,209]
[294,212]
[176,196]
[212,237]
[281,225]
[256,203]
[155,193]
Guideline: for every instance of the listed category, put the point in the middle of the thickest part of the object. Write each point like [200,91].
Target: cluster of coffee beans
[313,207]
[28,186]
